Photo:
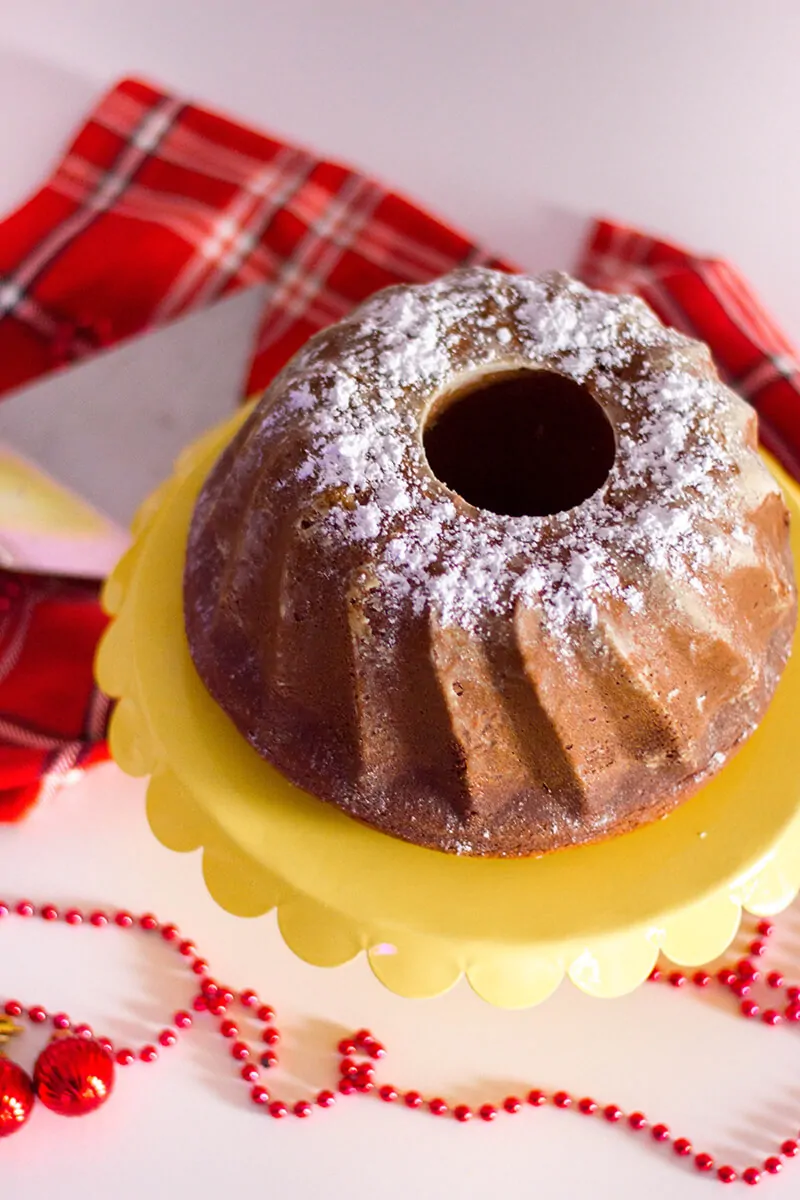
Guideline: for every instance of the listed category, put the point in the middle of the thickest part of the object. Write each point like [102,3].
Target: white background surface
[679,116]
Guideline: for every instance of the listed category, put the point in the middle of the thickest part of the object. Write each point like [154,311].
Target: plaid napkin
[159,207]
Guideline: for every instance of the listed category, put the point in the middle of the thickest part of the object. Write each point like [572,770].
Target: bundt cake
[494,565]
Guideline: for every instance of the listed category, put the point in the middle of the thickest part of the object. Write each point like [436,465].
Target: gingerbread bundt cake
[494,565]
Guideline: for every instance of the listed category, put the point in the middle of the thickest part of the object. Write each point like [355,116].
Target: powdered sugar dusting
[356,399]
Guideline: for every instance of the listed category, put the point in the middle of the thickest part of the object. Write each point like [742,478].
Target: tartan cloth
[159,207]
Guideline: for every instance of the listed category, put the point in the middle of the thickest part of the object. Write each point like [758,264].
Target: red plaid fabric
[52,716]
[159,207]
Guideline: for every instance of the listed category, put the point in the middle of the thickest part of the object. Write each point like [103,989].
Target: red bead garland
[62,1065]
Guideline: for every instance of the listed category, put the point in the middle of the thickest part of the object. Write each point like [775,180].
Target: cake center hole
[525,443]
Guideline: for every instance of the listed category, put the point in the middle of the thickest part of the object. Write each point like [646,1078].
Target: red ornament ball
[73,1076]
[16,1097]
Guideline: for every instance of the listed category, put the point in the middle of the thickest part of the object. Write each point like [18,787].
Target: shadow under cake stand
[600,914]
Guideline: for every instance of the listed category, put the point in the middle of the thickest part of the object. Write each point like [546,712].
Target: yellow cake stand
[599,914]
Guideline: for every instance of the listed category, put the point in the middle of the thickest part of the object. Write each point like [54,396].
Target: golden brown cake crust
[475,682]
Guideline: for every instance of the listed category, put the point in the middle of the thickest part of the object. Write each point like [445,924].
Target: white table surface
[680,116]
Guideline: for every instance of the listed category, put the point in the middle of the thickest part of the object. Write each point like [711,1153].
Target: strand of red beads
[362,1050]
